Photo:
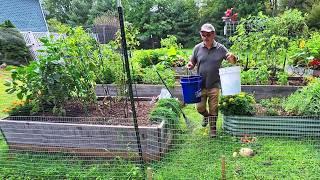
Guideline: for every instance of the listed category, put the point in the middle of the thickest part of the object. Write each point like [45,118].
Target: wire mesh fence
[72,148]
[100,147]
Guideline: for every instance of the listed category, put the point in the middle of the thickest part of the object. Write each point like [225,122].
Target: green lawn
[276,158]
[5,99]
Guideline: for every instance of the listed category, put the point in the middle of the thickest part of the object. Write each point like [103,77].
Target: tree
[77,12]
[157,19]
[213,10]
[302,5]
[314,16]
[58,9]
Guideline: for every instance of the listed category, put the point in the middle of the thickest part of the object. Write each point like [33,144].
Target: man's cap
[207,28]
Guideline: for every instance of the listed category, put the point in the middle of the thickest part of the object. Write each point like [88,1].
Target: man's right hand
[190,65]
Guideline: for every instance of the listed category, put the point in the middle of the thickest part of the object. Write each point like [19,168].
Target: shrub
[241,104]
[13,49]
[305,101]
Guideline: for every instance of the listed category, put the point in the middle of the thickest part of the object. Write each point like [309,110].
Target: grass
[276,158]
[200,158]
[60,166]
[5,99]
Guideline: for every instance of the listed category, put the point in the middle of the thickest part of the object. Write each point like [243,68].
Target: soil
[108,112]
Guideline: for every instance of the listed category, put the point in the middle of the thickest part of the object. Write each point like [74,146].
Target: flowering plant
[315,63]
[241,104]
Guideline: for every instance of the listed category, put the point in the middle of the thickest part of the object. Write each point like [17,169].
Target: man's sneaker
[204,121]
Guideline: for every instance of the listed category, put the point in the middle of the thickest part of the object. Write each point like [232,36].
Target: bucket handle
[189,72]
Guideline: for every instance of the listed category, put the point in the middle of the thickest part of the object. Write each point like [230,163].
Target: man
[208,56]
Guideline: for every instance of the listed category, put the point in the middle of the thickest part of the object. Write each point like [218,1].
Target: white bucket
[230,80]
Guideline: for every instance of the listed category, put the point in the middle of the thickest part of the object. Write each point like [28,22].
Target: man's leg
[202,107]
[213,101]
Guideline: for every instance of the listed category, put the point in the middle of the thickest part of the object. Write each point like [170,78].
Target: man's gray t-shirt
[209,62]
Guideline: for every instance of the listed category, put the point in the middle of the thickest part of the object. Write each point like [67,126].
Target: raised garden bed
[144,90]
[36,134]
[100,134]
[274,126]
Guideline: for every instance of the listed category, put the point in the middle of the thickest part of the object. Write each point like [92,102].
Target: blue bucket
[191,88]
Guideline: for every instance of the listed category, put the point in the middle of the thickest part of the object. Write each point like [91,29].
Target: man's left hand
[231,58]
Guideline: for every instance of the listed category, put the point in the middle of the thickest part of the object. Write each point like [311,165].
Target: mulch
[107,112]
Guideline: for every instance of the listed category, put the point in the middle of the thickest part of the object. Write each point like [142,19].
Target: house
[26,15]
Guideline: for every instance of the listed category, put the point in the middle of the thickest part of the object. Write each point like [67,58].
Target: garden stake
[126,59]
[223,168]
[149,173]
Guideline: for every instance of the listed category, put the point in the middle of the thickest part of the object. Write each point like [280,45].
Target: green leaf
[7,83]
[10,90]
[20,95]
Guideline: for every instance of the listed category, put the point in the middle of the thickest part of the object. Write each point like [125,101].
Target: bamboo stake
[149,173]
[223,168]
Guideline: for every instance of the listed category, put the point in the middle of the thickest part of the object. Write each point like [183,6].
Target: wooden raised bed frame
[88,140]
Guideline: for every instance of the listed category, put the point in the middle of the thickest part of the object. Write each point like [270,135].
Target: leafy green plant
[248,77]
[282,78]
[241,104]
[171,103]
[159,114]
[170,42]
[150,76]
[265,39]
[22,109]
[110,69]
[167,109]
[305,101]
[303,51]
[65,71]
[273,106]
[262,74]
[255,76]
[171,57]
[131,37]
[147,58]
[7,24]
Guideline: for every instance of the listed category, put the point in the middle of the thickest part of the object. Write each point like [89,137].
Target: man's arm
[193,61]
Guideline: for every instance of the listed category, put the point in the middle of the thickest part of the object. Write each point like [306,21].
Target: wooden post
[223,168]
[149,173]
